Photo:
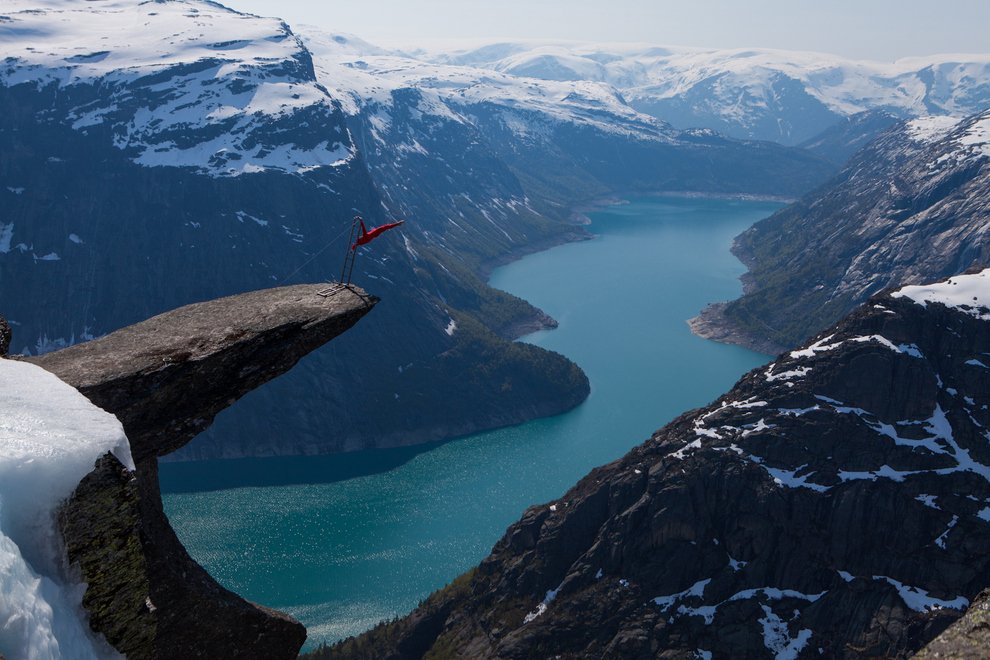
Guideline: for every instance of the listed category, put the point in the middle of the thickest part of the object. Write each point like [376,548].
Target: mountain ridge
[746,93]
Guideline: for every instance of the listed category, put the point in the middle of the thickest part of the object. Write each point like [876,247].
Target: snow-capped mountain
[784,96]
[154,154]
[834,503]
[559,137]
[181,84]
[913,205]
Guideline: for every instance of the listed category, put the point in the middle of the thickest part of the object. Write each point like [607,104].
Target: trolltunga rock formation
[165,379]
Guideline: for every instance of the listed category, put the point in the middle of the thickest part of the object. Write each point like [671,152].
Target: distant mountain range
[783,96]
[913,205]
[156,154]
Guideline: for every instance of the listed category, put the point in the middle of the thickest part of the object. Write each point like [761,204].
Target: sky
[860,29]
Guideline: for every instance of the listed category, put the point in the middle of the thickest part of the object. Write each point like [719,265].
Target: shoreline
[711,324]
[708,324]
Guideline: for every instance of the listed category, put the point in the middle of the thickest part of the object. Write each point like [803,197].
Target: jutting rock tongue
[165,379]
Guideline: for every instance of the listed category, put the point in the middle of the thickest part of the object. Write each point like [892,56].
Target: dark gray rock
[832,504]
[165,379]
[969,637]
[5,335]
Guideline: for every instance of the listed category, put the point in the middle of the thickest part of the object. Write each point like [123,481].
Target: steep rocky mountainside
[750,93]
[157,154]
[912,206]
[165,378]
[839,142]
[835,502]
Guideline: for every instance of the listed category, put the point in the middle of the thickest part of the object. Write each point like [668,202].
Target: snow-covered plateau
[50,437]
[190,84]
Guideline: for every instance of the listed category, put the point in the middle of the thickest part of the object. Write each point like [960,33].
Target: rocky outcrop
[4,337]
[834,503]
[165,379]
[912,206]
[969,637]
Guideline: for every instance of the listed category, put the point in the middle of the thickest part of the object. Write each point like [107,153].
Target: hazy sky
[872,29]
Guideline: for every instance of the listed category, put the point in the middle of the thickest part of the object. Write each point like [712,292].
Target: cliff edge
[165,379]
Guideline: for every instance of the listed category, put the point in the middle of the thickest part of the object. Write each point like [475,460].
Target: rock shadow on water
[227,474]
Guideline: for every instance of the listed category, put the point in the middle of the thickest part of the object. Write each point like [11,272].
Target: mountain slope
[839,142]
[913,205]
[834,502]
[189,159]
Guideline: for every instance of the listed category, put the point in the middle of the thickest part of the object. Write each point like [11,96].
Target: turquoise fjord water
[342,542]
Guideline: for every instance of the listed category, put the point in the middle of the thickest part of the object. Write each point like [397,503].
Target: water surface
[341,542]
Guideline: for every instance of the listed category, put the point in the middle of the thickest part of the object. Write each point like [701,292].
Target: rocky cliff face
[165,379]
[835,502]
[912,206]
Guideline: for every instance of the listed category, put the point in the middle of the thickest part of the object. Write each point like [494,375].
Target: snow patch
[789,478]
[907,349]
[819,346]
[977,137]
[800,372]
[696,590]
[969,294]
[242,215]
[918,599]
[940,541]
[737,565]
[50,437]
[777,638]
[542,607]
[928,130]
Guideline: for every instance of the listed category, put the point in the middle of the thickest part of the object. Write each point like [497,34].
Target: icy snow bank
[50,437]
[967,293]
